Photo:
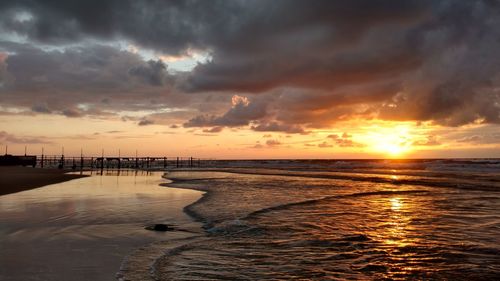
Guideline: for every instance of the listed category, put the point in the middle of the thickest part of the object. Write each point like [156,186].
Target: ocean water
[340,220]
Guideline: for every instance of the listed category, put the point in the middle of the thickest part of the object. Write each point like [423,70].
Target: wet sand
[86,229]
[16,179]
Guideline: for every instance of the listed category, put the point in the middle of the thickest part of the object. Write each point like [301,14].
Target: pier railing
[107,162]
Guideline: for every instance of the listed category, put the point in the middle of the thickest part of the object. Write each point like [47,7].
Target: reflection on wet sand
[82,229]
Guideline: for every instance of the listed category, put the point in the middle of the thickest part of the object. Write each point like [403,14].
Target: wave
[333,197]
[286,223]
[472,182]
[463,165]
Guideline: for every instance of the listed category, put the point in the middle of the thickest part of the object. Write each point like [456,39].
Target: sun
[390,141]
[392,148]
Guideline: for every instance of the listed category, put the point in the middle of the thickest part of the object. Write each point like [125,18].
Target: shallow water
[384,223]
[82,229]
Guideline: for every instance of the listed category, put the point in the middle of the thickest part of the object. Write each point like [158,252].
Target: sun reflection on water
[395,231]
[396,203]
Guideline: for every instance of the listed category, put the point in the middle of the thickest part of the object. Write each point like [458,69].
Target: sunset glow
[345,89]
[394,142]
[249,140]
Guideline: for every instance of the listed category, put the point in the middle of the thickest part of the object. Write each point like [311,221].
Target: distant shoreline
[17,179]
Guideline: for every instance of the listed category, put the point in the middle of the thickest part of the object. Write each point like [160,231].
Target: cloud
[258,145]
[457,83]
[471,139]
[174,26]
[145,122]
[205,135]
[3,69]
[488,138]
[9,138]
[40,108]
[154,72]
[241,113]
[91,79]
[72,112]
[270,143]
[417,60]
[324,145]
[344,140]
[273,143]
[430,141]
[216,129]
[274,126]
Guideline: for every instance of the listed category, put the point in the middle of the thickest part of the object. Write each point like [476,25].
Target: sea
[426,219]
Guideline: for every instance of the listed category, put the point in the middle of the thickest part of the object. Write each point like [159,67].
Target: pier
[109,162]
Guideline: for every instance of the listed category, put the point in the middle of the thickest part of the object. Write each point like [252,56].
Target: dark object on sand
[12,160]
[159,227]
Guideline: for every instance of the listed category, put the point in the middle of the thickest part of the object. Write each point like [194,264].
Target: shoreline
[107,245]
[206,193]
[15,179]
[133,265]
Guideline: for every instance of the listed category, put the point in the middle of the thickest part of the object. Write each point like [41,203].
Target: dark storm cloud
[3,69]
[40,108]
[154,73]
[313,62]
[458,83]
[173,26]
[83,80]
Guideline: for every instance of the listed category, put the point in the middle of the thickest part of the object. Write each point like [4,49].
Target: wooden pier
[118,162]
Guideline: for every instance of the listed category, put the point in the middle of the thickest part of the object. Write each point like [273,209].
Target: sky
[251,79]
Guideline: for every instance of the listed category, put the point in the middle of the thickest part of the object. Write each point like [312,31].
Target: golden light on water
[396,224]
[396,204]
[399,228]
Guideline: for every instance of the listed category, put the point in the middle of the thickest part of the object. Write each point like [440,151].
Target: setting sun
[392,141]
[393,149]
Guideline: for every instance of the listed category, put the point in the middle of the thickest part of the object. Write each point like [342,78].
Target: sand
[91,228]
[16,179]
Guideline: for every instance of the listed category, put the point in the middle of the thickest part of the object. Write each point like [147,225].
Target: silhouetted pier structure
[14,160]
[116,163]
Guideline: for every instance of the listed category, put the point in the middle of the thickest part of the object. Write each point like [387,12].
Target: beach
[16,179]
[260,220]
[86,228]
[249,140]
